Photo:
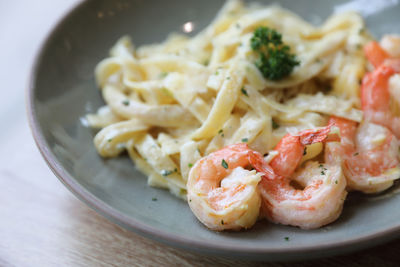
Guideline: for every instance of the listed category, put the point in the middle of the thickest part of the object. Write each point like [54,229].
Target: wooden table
[41,222]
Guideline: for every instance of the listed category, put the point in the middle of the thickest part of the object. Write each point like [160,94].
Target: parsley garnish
[275,125]
[244,91]
[274,58]
[166,172]
[125,102]
[224,164]
[286,238]
[163,74]
[245,140]
[190,165]
[154,199]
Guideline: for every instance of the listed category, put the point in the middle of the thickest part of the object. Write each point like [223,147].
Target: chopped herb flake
[286,238]
[224,164]
[205,63]
[175,170]
[245,140]
[356,154]
[336,182]
[244,91]
[154,199]
[109,140]
[322,173]
[125,102]
[190,200]
[166,92]
[163,74]
[190,165]
[166,172]
[275,125]
[228,78]
[217,72]
[220,131]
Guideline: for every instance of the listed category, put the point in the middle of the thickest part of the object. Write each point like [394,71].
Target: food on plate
[221,192]
[320,193]
[259,115]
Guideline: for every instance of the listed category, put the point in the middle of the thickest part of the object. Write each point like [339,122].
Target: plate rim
[154,233]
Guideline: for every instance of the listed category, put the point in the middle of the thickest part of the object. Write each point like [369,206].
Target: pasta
[170,104]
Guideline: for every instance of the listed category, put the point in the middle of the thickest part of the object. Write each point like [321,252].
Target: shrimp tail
[375,53]
[257,161]
[291,148]
[309,137]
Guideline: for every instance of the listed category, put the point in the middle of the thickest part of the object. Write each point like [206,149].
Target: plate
[63,90]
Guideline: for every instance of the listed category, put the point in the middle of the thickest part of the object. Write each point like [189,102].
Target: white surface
[23,27]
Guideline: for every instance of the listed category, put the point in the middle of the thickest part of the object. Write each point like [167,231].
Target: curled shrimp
[221,193]
[369,155]
[321,198]
[382,86]
[375,99]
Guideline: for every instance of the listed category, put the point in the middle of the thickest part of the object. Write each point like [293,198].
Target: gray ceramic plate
[63,90]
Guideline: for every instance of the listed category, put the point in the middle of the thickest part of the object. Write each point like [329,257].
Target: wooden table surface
[41,222]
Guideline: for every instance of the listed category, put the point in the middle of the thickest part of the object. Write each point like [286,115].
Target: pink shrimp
[375,91]
[321,199]
[221,193]
[378,56]
[368,154]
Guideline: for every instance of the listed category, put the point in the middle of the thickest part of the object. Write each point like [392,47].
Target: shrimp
[369,155]
[381,88]
[321,199]
[221,193]
[375,99]
[378,55]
